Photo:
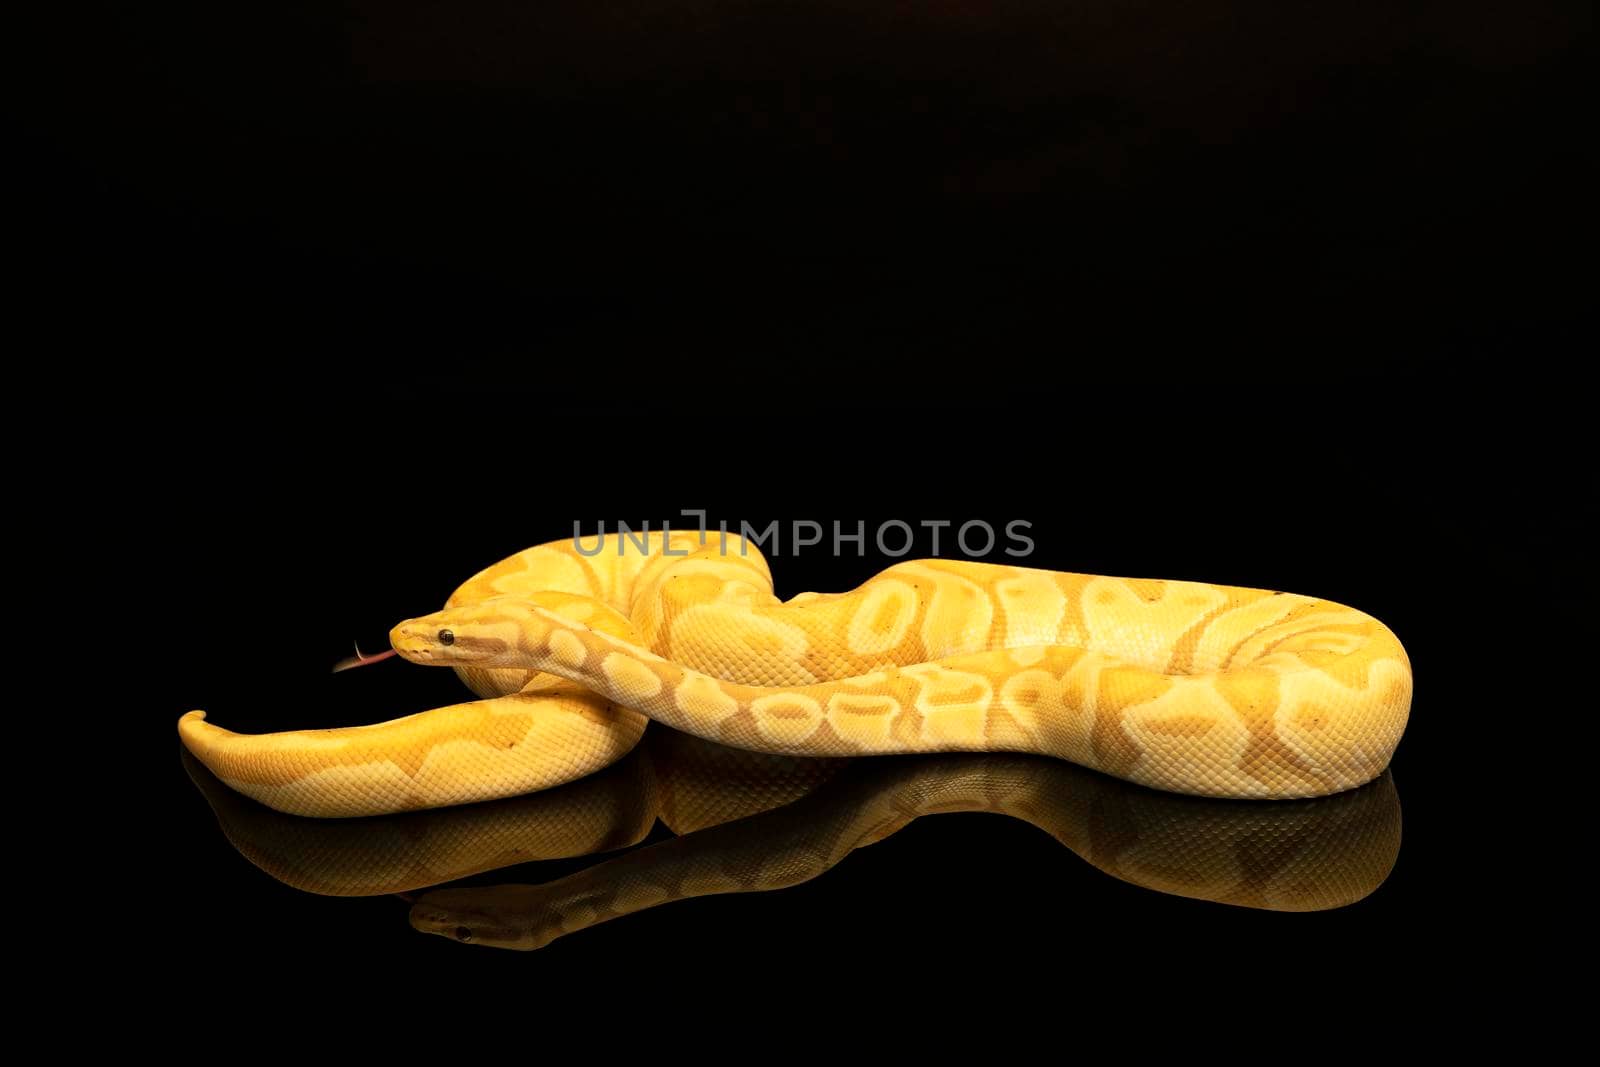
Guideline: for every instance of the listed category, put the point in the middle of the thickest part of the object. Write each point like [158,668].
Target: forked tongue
[358,660]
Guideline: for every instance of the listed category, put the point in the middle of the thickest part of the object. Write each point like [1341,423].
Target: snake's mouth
[433,639]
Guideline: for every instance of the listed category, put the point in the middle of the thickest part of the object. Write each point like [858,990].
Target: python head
[485,634]
[517,917]
[493,633]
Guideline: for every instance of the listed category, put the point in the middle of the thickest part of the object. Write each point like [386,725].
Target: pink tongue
[358,660]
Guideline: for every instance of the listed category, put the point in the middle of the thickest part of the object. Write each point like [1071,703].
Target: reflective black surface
[310,563]
[754,823]
[334,561]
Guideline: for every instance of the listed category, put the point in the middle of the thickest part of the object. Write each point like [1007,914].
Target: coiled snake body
[1187,687]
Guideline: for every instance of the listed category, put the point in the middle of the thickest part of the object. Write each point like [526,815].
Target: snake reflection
[748,822]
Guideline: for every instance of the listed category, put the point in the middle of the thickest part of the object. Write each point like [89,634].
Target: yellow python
[1187,687]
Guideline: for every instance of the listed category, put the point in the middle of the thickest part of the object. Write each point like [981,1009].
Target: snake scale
[575,645]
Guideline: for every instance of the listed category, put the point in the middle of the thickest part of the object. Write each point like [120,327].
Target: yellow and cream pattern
[1183,686]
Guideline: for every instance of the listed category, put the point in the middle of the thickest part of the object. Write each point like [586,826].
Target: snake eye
[447,637]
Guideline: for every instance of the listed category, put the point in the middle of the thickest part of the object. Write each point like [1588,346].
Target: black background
[1254,293]
[1232,189]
